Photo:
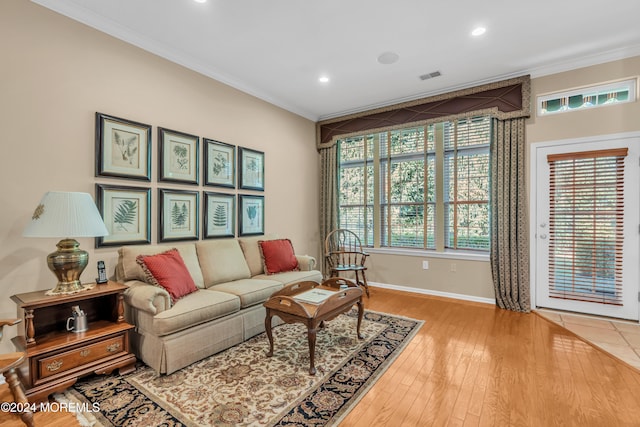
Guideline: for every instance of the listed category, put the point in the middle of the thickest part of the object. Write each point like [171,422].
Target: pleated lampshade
[66,215]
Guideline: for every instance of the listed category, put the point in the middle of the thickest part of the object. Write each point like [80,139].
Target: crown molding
[75,11]
[80,14]
[541,71]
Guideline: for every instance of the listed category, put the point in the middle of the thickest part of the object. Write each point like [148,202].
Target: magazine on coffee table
[314,296]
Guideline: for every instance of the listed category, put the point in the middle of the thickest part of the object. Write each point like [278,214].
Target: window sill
[462,255]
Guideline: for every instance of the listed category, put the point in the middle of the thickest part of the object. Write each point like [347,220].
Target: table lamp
[66,215]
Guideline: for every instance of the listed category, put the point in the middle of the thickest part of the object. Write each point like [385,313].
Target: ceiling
[277,49]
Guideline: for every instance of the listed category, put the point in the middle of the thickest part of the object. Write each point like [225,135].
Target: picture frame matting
[250,215]
[123,148]
[251,167]
[219,215]
[178,155]
[178,215]
[219,164]
[126,212]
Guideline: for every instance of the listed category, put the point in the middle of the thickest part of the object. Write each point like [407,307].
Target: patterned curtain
[328,194]
[509,216]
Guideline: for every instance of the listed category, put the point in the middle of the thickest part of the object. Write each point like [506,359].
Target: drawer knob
[54,366]
[85,353]
[113,347]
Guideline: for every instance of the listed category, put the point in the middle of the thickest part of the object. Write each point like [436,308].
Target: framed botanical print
[126,212]
[251,165]
[178,214]
[178,153]
[251,215]
[219,163]
[123,148]
[219,215]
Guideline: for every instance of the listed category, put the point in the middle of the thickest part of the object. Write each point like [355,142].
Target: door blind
[586,195]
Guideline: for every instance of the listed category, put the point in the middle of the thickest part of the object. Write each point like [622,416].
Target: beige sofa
[225,310]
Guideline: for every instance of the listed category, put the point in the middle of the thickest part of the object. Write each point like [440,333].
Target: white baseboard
[432,292]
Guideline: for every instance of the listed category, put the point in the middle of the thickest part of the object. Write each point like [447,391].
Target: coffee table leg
[311,334]
[267,328]
[360,315]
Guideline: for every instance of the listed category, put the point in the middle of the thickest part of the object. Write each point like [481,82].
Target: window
[423,187]
[466,177]
[407,191]
[588,97]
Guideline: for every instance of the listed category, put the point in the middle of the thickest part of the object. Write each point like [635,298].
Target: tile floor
[618,337]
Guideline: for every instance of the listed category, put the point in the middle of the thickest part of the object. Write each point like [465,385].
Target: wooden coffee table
[284,305]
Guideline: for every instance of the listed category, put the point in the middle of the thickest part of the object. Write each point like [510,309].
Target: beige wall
[596,121]
[56,73]
[451,276]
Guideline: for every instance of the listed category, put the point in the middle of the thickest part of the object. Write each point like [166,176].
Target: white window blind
[407,193]
[586,232]
[466,183]
[356,187]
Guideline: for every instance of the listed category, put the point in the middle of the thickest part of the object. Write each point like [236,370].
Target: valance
[503,100]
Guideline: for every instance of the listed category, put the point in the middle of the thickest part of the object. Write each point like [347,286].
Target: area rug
[243,387]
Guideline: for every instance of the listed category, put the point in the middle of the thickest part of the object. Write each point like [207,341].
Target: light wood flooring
[476,365]
[473,364]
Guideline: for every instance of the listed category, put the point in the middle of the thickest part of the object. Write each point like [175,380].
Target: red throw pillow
[278,256]
[168,270]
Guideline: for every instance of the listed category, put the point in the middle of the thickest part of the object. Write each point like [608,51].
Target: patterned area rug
[241,386]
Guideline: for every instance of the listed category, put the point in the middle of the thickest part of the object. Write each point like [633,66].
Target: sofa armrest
[146,297]
[306,262]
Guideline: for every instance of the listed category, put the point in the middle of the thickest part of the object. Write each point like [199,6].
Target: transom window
[587,97]
[421,187]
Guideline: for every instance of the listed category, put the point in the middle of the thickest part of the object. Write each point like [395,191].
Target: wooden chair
[343,253]
[8,364]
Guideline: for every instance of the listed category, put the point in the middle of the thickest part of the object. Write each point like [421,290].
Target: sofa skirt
[167,354]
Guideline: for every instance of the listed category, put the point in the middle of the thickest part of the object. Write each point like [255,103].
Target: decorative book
[314,296]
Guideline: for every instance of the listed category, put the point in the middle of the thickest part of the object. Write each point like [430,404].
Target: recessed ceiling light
[323,79]
[478,31]
[388,58]
[200,1]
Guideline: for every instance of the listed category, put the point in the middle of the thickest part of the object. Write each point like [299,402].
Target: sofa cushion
[168,271]
[221,261]
[252,252]
[250,291]
[278,256]
[129,269]
[292,277]
[194,309]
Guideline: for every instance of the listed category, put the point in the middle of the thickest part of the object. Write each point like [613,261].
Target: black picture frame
[178,215]
[251,169]
[178,157]
[123,148]
[219,215]
[219,164]
[250,215]
[126,212]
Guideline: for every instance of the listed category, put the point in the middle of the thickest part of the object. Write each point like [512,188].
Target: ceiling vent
[430,75]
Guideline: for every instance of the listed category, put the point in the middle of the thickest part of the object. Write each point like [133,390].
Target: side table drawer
[62,362]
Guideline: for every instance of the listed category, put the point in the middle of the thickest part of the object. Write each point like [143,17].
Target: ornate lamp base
[68,263]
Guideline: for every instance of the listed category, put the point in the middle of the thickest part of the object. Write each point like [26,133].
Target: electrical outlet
[453,268]
[425,265]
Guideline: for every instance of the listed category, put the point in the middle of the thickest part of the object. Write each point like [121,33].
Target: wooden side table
[56,358]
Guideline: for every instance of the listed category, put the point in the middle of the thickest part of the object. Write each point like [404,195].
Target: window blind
[586,198]
[466,183]
[355,183]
